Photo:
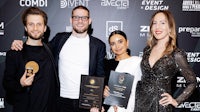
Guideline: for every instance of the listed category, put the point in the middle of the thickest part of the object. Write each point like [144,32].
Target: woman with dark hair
[122,62]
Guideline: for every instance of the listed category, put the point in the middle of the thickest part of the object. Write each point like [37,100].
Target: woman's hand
[168,99]
[95,109]
[106,92]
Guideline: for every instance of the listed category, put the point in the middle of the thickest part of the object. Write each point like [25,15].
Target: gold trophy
[32,67]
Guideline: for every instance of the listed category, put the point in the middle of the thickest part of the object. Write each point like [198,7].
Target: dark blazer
[97,52]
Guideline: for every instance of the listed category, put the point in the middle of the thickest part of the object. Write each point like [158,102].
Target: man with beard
[75,53]
[36,92]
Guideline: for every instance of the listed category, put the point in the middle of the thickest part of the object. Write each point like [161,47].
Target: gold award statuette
[32,67]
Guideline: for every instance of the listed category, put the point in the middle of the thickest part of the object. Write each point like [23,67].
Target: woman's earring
[112,54]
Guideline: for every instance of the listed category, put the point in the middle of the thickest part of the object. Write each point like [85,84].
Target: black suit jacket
[97,52]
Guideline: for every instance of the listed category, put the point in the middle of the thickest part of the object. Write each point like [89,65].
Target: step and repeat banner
[130,16]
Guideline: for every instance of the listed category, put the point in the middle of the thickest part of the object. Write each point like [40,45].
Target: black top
[157,80]
[109,65]
[40,97]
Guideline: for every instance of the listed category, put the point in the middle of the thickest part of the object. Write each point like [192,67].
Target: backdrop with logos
[130,16]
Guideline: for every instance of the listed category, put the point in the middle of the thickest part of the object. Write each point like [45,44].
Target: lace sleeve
[187,72]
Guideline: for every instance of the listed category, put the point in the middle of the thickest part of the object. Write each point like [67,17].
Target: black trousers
[69,105]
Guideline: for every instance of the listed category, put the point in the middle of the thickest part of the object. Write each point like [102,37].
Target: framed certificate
[120,85]
[91,92]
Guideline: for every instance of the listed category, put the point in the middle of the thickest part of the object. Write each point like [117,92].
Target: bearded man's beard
[38,38]
[81,31]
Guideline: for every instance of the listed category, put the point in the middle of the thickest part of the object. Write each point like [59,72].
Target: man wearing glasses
[76,53]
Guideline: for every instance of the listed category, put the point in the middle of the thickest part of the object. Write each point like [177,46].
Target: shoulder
[179,53]
[63,34]
[96,40]
[59,38]
[136,59]
[131,62]
[146,48]
[108,61]
[12,53]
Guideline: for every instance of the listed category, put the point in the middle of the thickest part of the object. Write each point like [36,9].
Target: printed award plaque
[91,92]
[120,85]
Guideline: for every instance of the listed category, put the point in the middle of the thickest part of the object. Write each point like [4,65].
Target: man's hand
[17,45]
[26,81]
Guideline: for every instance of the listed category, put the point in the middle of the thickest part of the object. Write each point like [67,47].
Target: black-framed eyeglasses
[83,18]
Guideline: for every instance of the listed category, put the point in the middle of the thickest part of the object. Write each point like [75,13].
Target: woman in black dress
[162,60]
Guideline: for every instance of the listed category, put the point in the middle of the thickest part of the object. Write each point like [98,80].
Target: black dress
[157,79]
[41,96]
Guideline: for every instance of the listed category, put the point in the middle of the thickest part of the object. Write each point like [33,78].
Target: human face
[118,44]
[35,27]
[160,27]
[80,21]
